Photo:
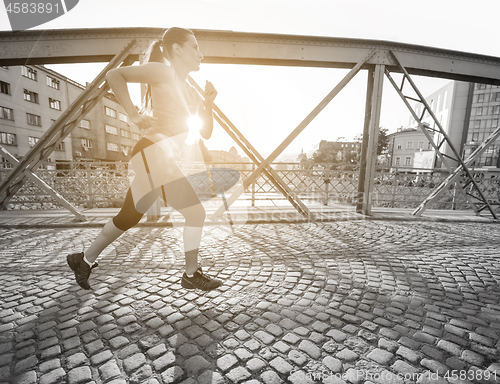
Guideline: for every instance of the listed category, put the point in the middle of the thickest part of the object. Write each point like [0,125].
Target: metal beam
[360,202]
[371,158]
[228,47]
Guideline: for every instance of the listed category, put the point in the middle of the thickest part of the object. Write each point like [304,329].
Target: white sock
[108,234]
[88,262]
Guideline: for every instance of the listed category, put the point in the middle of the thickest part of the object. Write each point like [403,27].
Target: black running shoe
[200,281]
[81,269]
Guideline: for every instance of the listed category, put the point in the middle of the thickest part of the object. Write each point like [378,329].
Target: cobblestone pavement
[337,302]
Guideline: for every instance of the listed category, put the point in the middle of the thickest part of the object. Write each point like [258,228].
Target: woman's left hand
[210,92]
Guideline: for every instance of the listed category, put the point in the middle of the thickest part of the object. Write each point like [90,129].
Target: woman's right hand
[143,121]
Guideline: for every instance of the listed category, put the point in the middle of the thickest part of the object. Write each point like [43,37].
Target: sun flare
[195,123]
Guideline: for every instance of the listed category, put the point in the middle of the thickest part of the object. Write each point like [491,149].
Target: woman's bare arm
[151,73]
[207,116]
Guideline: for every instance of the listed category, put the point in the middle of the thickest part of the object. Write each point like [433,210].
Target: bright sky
[267,103]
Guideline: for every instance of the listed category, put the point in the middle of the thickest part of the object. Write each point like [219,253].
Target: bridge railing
[104,185]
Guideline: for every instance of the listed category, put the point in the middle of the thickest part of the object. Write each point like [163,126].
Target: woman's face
[190,54]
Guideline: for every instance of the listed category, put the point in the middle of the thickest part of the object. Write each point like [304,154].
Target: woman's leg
[83,262]
[182,197]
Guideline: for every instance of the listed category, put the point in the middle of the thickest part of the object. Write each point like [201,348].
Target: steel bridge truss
[379,58]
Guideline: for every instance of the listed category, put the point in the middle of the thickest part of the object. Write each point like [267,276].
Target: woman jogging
[173,103]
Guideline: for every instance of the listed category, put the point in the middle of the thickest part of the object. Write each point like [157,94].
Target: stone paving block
[409,354]
[25,364]
[101,357]
[380,356]
[243,354]
[337,335]
[210,377]
[52,377]
[434,366]
[449,347]
[79,375]
[29,377]
[226,362]
[109,370]
[238,374]
[156,351]
[164,361]
[333,364]
[346,355]
[172,374]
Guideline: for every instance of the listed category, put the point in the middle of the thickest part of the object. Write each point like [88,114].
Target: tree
[383,140]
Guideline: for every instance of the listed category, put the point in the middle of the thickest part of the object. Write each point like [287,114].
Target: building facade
[410,148]
[469,113]
[451,106]
[484,116]
[33,97]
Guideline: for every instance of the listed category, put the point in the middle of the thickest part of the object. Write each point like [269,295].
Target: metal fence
[103,184]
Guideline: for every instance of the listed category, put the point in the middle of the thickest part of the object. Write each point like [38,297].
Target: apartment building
[410,148]
[484,115]
[33,97]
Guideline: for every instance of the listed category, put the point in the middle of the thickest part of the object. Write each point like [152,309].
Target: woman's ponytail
[153,54]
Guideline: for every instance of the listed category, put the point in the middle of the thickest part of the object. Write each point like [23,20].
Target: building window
[110,112]
[497,110]
[429,145]
[8,138]
[494,123]
[30,73]
[482,86]
[86,143]
[399,146]
[53,83]
[409,145]
[4,87]
[477,124]
[126,149]
[398,161]
[112,147]
[123,117]
[4,164]
[480,98]
[421,144]
[497,96]
[84,124]
[488,161]
[54,104]
[60,146]
[30,96]
[6,113]
[112,130]
[479,111]
[52,122]
[32,141]
[136,136]
[34,120]
[475,136]
[408,160]
[125,133]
